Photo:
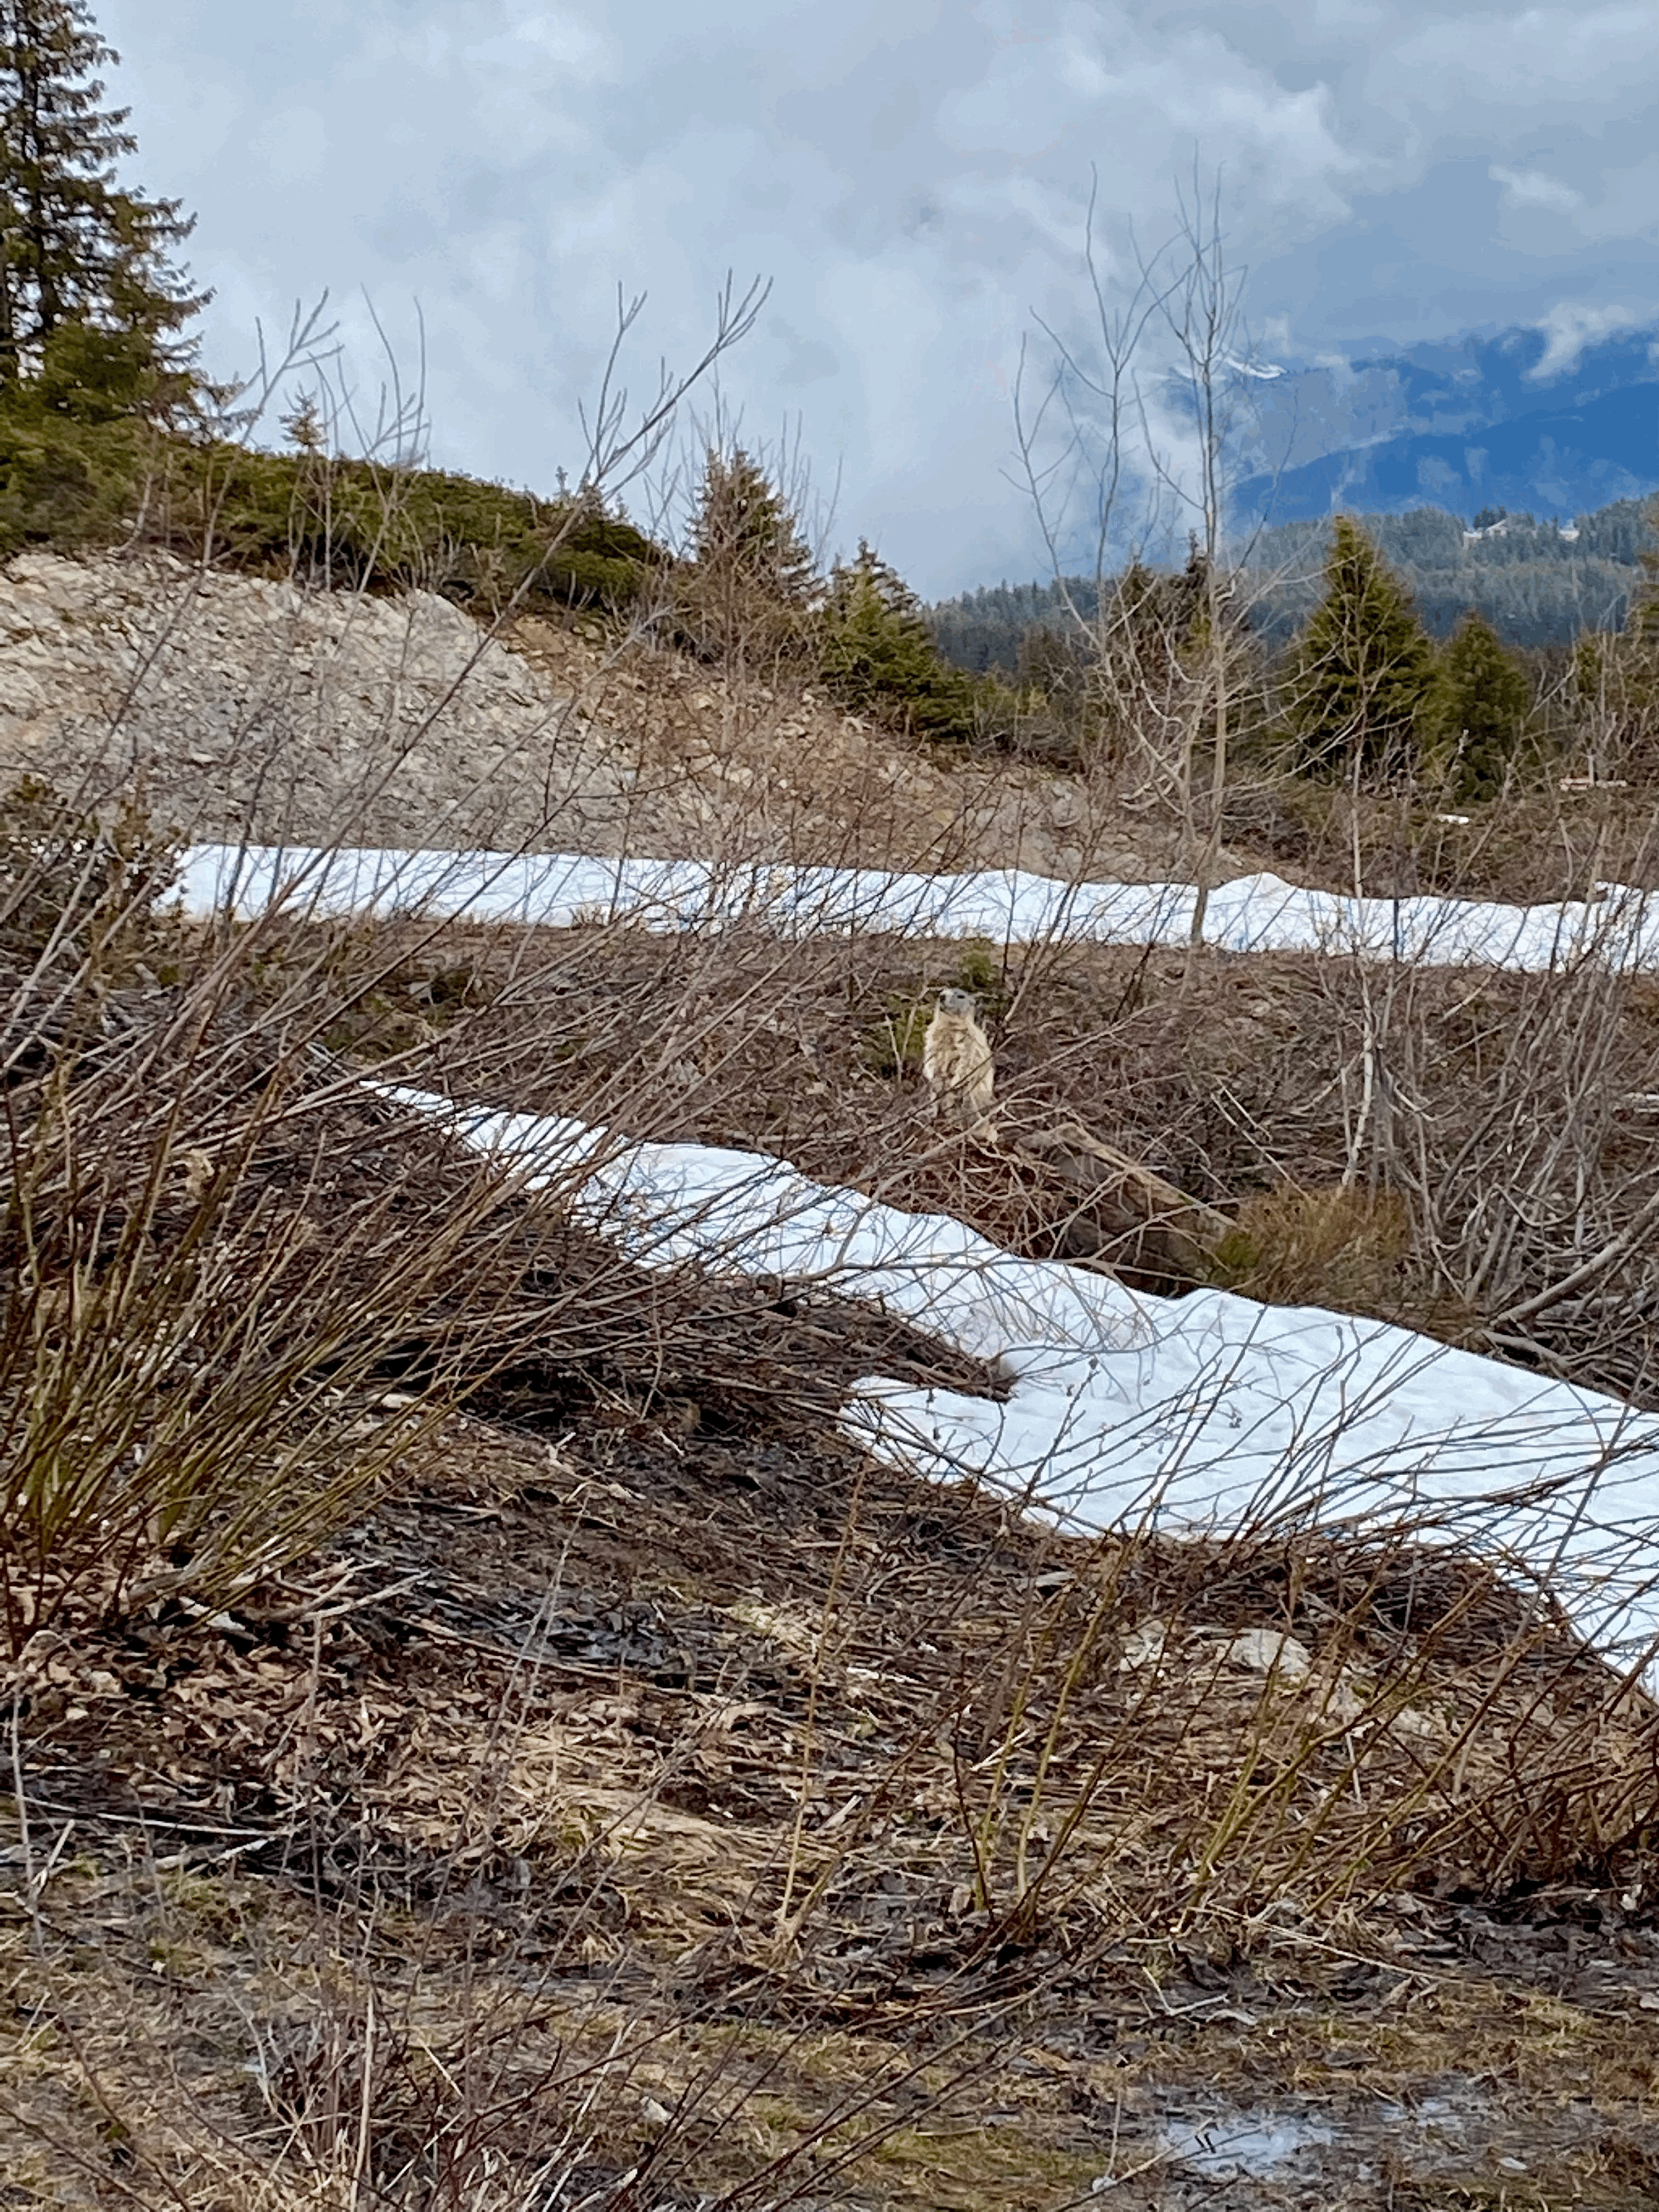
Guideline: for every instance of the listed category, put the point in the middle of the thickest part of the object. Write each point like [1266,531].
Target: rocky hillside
[232,707]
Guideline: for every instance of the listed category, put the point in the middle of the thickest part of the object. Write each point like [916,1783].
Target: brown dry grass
[771,769]
[626,1796]
[664,1790]
[1490,1129]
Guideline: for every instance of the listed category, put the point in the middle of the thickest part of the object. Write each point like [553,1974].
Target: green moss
[892,1046]
[981,970]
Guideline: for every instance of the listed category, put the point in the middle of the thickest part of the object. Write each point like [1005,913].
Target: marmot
[956,1064]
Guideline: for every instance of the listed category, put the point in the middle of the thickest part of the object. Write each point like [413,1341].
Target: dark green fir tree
[1617,676]
[1480,710]
[93,309]
[877,655]
[750,588]
[1364,671]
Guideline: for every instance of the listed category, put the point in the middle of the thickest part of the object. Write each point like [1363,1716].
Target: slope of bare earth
[622,1803]
[651,1804]
[238,706]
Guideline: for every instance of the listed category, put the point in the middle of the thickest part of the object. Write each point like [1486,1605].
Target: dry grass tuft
[675,1802]
[1341,1248]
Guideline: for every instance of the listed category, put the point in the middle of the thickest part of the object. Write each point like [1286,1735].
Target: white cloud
[1571,326]
[912,175]
[1532,188]
[1140,97]
[293,145]
[1497,57]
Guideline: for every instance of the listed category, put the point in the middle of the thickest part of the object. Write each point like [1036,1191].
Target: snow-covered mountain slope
[1505,419]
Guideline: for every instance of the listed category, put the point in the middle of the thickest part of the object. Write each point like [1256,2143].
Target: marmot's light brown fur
[956,1064]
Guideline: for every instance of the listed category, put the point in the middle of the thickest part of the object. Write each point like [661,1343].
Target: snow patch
[1206,1414]
[1253,913]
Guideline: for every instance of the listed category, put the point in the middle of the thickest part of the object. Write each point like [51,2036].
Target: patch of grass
[75,485]
[1594,2186]
[982,969]
[892,1046]
[499,1892]
[1341,1248]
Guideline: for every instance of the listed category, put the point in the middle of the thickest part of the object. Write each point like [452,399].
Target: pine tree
[752,586]
[1617,675]
[1480,708]
[1363,668]
[1642,623]
[877,655]
[91,306]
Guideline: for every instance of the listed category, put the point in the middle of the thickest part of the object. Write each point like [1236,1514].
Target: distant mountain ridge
[1537,583]
[1477,422]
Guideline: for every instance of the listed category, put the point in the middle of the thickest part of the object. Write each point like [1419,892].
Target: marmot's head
[952,1001]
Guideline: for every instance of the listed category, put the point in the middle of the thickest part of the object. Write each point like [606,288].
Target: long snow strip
[1253,913]
[1208,1413]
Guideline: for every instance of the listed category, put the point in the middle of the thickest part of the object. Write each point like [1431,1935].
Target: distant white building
[1505,523]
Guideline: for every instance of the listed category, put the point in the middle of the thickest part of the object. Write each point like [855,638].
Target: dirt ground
[614,1757]
[652,1803]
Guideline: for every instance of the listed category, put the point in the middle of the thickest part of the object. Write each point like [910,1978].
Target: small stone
[1145,1644]
[1268,1651]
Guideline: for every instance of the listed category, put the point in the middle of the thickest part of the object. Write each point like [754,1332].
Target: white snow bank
[1255,914]
[1205,1412]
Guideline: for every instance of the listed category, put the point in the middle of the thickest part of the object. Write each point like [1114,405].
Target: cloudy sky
[911,175]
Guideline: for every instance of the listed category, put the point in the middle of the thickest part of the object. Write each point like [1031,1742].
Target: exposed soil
[535,1747]
[229,707]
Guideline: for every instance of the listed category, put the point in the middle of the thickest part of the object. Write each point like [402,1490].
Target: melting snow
[1208,1412]
[1254,914]
[1205,1412]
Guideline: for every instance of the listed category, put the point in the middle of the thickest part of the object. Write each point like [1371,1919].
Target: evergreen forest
[1537,583]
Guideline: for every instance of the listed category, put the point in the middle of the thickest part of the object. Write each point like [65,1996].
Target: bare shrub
[216,1265]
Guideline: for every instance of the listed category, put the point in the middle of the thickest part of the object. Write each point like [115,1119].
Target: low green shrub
[74,485]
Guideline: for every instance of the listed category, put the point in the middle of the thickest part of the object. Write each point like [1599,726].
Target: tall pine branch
[92,305]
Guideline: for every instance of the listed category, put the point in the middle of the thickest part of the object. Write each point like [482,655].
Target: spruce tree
[751,585]
[1363,668]
[1617,675]
[877,655]
[1480,706]
[91,305]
